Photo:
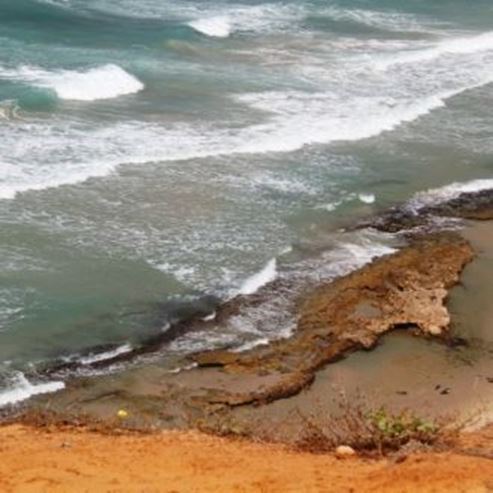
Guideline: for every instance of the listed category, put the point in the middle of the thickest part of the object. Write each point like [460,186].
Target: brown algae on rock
[406,289]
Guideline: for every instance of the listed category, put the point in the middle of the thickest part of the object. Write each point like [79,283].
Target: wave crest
[449,192]
[22,389]
[259,18]
[260,279]
[216,27]
[104,82]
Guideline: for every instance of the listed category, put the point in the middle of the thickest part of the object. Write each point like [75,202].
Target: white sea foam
[452,46]
[263,341]
[286,250]
[21,389]
[182,273]
[344,258]
[389,21]
[217,27]
[258,18]
[332,206]
[210,317]
[202,340]
[367,198]
[448,192]
[180,369]
[339,107]
[104,82]
[378,114]
[279,183]
[94,152]
[12,300]
[259,279]
[9,109]
[106,355]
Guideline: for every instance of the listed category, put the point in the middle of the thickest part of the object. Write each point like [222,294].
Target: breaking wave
[104,82]
[261,278]
[21,389]
[216,27]
[443,194]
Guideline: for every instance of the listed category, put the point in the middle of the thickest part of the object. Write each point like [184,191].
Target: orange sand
[35,460]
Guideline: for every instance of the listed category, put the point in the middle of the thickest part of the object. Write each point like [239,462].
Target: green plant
[370,431]
[402,425]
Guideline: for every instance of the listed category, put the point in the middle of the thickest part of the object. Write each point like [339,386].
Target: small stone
[343,451]
[434,330]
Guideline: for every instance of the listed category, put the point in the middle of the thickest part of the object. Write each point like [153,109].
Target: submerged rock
[468,205]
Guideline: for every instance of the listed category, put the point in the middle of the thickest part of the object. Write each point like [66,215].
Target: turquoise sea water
[155,152]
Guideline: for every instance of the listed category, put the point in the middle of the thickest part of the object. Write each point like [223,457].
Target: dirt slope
[34,460]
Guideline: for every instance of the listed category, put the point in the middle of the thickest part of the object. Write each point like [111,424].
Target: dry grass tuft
[374,431]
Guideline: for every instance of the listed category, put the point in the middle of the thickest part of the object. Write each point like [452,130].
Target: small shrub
[371,431]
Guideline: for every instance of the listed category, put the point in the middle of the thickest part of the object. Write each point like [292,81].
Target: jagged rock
[468,205]
[406,289]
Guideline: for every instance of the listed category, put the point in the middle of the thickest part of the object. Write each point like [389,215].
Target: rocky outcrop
[406,289]
[468,205]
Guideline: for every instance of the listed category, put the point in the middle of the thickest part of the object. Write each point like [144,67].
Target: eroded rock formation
[405,289]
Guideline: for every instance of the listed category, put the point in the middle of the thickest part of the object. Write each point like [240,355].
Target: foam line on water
[443,194]
[98,357]
[389,21]
[97,152]
[454,46]
[216,27]
[21,389]
[259,279]
[62,152]
[223,22]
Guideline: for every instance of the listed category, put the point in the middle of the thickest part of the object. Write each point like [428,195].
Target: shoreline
[402,290]
[405,219]
[399,327]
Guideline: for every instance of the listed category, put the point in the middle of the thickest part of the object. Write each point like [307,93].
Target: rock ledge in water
[406,289]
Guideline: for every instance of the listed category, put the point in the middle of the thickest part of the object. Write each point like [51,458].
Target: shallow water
[155,152]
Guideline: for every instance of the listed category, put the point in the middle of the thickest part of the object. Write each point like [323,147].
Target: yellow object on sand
[122,413]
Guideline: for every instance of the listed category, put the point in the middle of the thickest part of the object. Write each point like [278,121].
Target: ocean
[158,157]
